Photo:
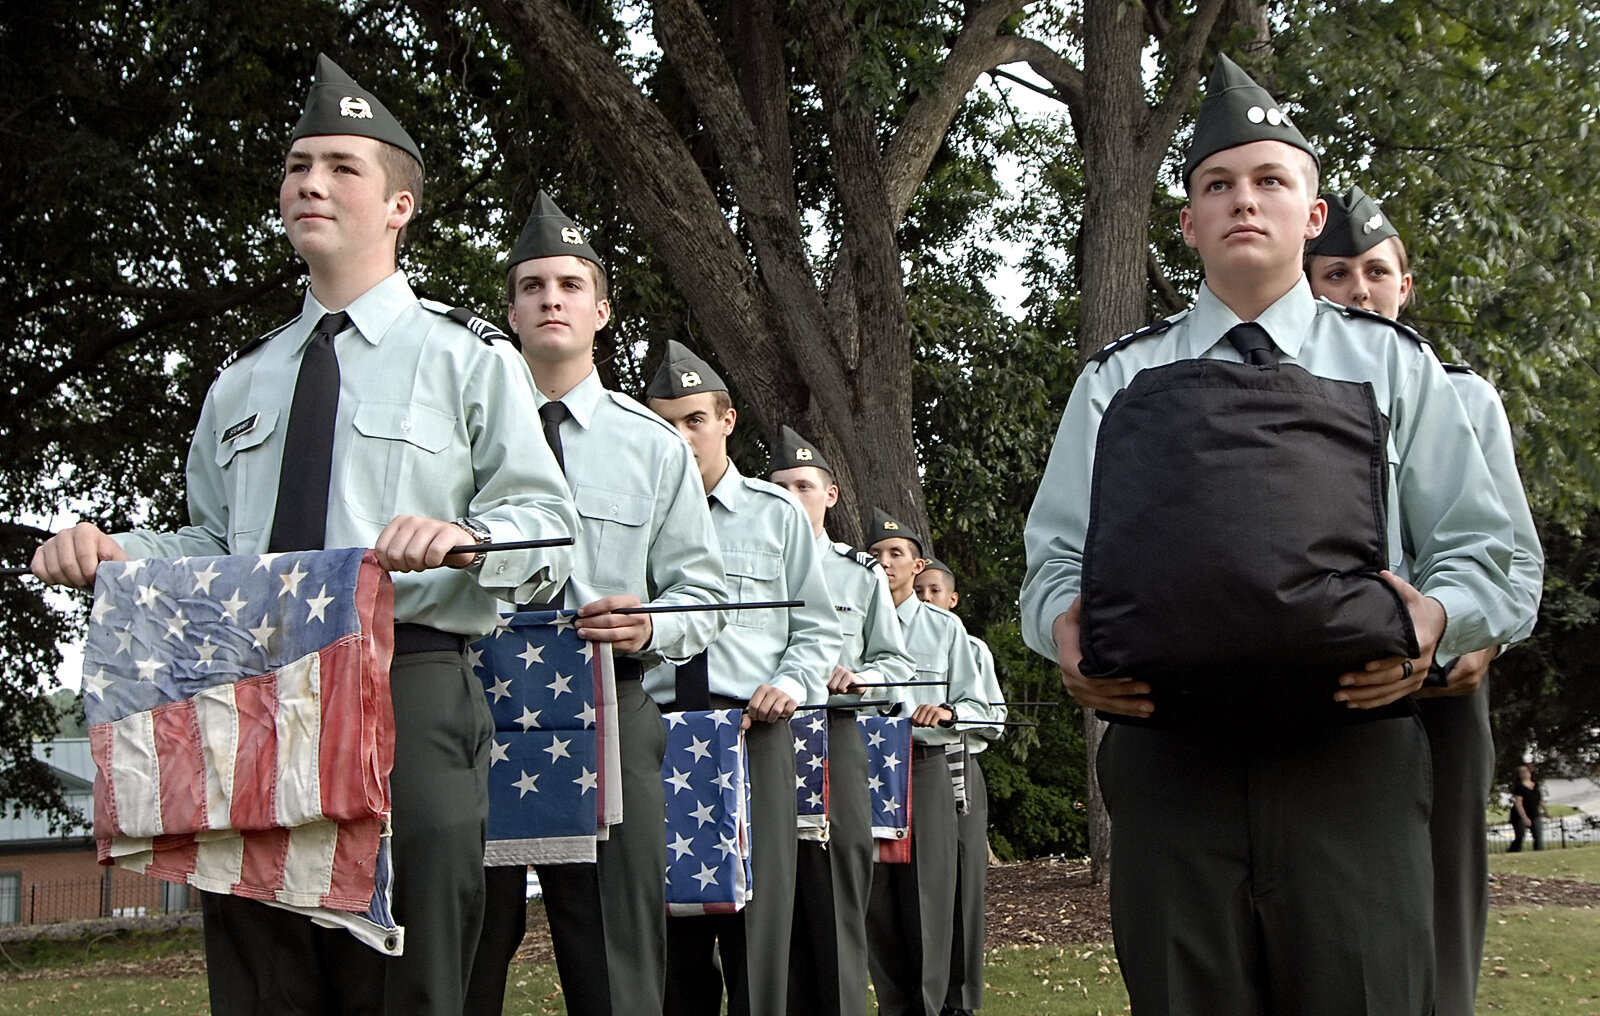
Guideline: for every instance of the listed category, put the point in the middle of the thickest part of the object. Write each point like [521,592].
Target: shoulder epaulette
[255,344]
[860,557]
[1458,368]
[632,405]
[1127,340]
[1372,315]
[484,329]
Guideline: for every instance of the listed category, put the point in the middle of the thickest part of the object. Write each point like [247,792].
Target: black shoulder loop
[482,328]
[1151,329]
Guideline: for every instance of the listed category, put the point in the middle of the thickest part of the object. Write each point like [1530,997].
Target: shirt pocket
[932,671]
[394,465]
[851,624]
[754,576]
[616,536]
[247,464]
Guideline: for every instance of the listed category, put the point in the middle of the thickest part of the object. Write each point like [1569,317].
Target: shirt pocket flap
[606,505]
[761,565]
[247,433]
[428,429]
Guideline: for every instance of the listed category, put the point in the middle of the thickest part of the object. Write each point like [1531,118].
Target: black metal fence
[74,899]
[1580,830]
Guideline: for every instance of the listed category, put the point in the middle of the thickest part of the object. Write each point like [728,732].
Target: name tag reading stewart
[244,426]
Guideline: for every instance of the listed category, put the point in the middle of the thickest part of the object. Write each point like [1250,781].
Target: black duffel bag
[1236,533]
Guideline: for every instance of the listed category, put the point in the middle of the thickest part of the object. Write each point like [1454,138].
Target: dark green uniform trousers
[1463,769]
[607,919]
[828,956]
[1272,873]
[260,960]
[752,944]
[972,875]
[908,918]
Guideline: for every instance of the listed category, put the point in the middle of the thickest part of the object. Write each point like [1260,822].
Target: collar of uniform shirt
[372,312]
[1288,320]
[581,400]
[726,488]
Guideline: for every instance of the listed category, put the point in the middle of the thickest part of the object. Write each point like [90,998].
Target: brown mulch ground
[1050,901]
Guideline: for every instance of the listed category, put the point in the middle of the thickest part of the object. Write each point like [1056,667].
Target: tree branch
[1161,123]
[1171,300]
[977,48]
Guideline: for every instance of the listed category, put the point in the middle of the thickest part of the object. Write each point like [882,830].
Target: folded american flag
[955,756]
[554,765]
[810,731]
[242,731]
[707,782]
[888,741]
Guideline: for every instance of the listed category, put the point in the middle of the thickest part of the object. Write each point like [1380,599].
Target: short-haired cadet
[1360,260]
[644,536]
[833,881]
[909,916]
[1268,858]
[766,662]
[936,584]
[371,419]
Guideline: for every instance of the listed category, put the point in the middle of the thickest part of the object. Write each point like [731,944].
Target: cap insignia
[689,379]
[570,235]
[803,454]
[891,524]
[1372,223]
[356,107]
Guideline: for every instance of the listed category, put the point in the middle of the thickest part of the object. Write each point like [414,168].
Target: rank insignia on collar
[355,106]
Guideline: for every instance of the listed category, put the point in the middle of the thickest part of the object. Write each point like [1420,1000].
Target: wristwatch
[479,533]
[952,720]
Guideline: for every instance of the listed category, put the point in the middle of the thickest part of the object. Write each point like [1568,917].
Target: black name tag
[244,426]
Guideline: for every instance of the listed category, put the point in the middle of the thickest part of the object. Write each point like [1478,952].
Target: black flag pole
[1041,703]
[897,684]
[686,608]
[996,723]
[875,703]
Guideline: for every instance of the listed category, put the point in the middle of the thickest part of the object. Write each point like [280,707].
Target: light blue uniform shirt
[941,650]
[768,553]
[644,528]
[1443,509]
[432,421]
[874,648]
[988,691]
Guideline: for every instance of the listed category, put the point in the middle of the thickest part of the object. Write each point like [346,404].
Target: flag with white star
[955,756]
[554,769]
[810,730]
[240,722]
[888,740]
[707,781]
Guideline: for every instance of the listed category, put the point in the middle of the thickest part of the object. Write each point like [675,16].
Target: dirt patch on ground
[1047,902]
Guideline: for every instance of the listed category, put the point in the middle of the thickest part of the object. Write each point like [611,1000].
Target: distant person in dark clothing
[1527,804]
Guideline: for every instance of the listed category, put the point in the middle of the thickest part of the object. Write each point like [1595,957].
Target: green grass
[1537,961]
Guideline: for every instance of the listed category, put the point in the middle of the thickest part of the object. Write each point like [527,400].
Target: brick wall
[67,884]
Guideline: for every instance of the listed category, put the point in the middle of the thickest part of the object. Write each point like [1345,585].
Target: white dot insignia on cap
[356,107]
[1255,114]
[689,379]
[570,235]
[1372,223]
[1274,117]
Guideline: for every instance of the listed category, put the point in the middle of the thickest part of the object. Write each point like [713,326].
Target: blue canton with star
[810,731]
[706,776]
[888,740]
[165,629]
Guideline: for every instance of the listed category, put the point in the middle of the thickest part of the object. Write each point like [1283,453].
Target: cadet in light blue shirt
[766,662]
[936,584]
[829,970]
[1360,261]
[909,917]
[1281,869]
[644,533]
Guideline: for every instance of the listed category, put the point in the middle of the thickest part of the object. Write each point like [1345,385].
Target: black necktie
[552,413]
[692,678]
[1253,343]
[300,521]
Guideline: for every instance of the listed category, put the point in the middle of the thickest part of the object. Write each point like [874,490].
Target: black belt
[626,668]
[419,638]
[927,751]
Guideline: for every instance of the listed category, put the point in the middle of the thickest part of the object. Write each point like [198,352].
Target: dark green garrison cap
[794,450]
[1237,111]
[337,105]
[885,527]
[682,373]
[549,233]
[1355,225]
[934,564]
